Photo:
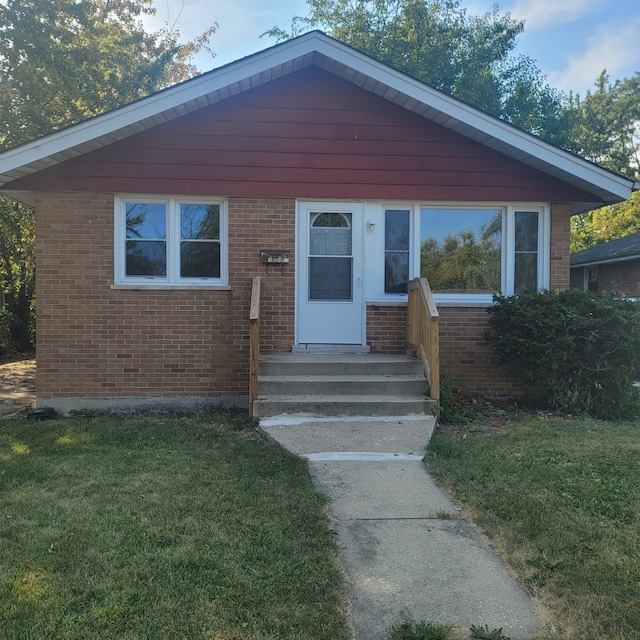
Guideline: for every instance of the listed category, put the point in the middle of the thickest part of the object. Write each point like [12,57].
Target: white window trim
[172,280]
[508,247]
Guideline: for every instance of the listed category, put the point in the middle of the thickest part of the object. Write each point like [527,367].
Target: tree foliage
[17,275]
[606,130]
[63,61]
[605,125]
[605,224]
[437,41]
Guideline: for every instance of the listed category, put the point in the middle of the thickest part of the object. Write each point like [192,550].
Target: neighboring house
[610,266]
[153,219]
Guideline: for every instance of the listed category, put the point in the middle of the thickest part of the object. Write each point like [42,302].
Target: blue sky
[572,41]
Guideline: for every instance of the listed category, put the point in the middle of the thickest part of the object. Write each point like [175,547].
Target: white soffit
[314,48]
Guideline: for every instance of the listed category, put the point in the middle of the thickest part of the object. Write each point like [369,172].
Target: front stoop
[341,385]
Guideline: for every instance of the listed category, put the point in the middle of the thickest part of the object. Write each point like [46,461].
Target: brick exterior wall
[386,328]
[560,256]
[464,356]
[95,341]
[622,277]
[577,278]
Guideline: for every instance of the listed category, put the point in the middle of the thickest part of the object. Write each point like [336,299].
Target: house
[610,266]
[332,176]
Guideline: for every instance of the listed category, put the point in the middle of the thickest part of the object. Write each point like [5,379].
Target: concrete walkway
[408,553]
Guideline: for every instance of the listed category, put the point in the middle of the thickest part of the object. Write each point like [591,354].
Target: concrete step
[370,385]
[296,364]
[342,405]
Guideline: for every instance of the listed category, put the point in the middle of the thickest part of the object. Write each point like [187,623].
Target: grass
[161,527]
[560,499]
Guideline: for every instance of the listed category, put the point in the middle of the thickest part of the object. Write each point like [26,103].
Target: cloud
[608,48]
[538,14]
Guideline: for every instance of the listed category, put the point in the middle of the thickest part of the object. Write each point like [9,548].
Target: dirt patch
[17,386]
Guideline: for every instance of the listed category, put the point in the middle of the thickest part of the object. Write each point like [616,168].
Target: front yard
[560,499]
[161,527]
[193,527]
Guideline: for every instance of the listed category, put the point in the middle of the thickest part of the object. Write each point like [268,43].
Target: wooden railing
[254,342]
[423,338]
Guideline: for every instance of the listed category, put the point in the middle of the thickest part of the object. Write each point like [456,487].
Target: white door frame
[333,321]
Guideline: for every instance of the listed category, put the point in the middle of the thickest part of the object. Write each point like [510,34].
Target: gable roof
[317,49]
[620,250]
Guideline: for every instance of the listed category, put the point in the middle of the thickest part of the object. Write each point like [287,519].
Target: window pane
[526,276]
[396,230]
[331,242]
[331,219]
[146,258]
[330,234]
[396,271]
[527,231]
[330,278]
[396,246]
[146,221]
[461,249]
[200,221]
[199,260]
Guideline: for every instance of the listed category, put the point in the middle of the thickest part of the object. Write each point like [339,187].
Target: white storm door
[330,307]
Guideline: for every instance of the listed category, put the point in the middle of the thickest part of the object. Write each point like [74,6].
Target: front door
[330,307]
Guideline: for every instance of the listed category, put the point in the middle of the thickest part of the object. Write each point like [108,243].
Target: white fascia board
[612,260]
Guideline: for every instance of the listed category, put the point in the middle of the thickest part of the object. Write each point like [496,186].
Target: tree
[438,42]
[605,224]
[605,125]
[606,130]
[17,275]
[63,61]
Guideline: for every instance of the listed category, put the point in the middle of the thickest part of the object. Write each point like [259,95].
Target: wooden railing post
[254,342]
[423,332]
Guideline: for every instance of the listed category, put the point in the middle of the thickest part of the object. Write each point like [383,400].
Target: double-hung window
[170,241]
[468,254]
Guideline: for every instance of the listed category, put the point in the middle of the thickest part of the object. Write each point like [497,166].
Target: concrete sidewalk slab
[390,434]
[428,570]
[378,490]
[408,554]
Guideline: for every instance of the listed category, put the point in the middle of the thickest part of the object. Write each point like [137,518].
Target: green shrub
[582,347]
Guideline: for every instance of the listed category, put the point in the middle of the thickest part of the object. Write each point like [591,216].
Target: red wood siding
[309,134]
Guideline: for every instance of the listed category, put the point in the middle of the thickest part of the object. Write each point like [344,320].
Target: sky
[571,41]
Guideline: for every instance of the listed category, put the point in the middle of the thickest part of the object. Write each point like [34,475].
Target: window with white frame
[467,253]
[173,241]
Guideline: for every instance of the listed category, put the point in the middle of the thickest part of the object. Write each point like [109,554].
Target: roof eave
[610,260]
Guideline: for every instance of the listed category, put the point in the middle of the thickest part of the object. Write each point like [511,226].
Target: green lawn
[560,499]
[161,527]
